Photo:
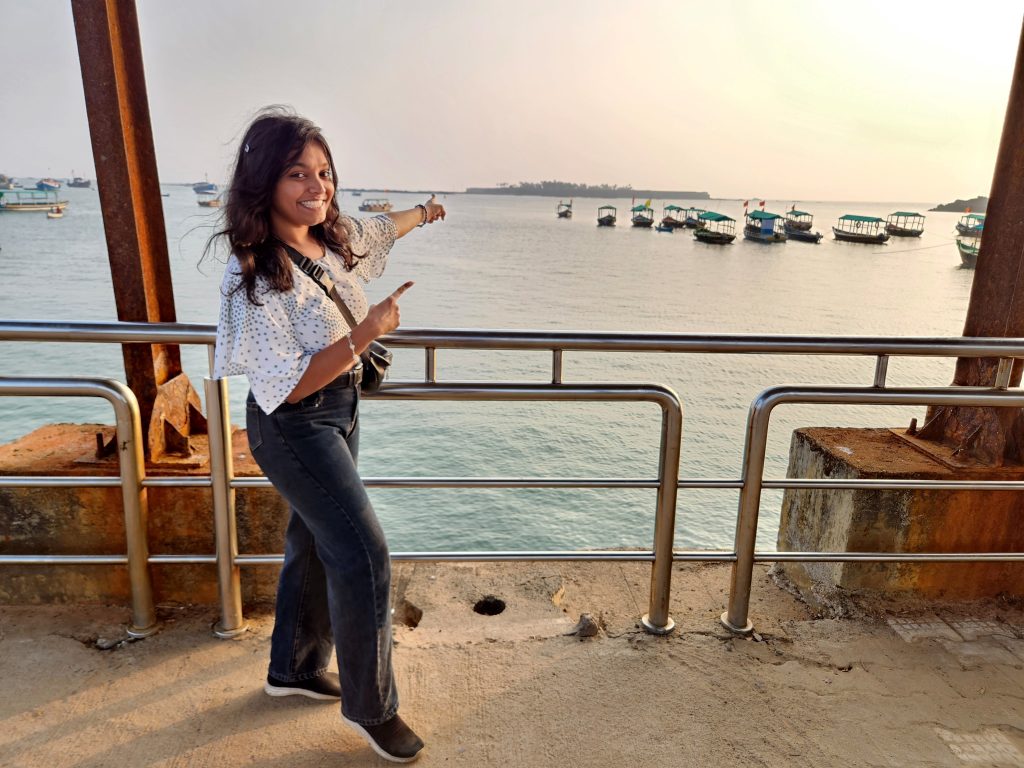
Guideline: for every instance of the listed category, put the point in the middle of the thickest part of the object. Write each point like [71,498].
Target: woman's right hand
[384,316]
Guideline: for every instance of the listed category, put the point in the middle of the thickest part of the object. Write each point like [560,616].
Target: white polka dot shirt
[272,344]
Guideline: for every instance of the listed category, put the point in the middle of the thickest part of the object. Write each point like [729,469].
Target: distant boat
[971,224]
[55,213]
[30,201]
[797,226]
[79,183]
[357,194]
[375,205]
[564,210]
[208,200]
[205,187]
[798,221]
[860,229]
[692,217]
[764,227]
[670,217]
[47,185]
[665,228]
[717,229]
[968,252]
[6,182]
[643,215]
[904,224]
[606,216]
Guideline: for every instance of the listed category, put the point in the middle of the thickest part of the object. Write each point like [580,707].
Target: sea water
[507,262]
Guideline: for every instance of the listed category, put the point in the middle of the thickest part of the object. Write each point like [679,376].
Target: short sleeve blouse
[272,343]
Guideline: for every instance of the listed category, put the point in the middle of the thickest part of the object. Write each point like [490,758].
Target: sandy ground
[887,685]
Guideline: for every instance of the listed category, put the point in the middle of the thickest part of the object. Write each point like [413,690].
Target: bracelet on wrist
[423,214]
[352,347]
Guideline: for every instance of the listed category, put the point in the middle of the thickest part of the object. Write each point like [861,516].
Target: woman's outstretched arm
[425,213]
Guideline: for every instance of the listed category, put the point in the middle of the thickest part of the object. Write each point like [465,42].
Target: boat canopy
[855,217]
[638,208]
[765,216]
[975,216]
[905,214]
[712,216]
[671,208]
[795,212]
[607,208]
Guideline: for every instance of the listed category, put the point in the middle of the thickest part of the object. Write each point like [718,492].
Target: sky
[792,99]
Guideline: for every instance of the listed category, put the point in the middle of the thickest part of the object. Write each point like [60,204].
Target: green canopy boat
[764,227]
[904,224]
[860,229]
[715,228]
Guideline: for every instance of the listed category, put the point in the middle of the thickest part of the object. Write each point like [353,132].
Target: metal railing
[749,484]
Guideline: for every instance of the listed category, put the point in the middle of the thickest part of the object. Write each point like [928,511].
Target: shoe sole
[375,746]
[277,691]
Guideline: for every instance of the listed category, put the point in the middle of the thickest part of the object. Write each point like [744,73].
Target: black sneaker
[393,740]
[325,688]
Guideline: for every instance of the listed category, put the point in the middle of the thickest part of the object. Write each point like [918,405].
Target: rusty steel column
[110,54]
[994,436]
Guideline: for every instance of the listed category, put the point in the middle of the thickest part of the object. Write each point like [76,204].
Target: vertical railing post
[229,584]
[657,620]
[735,619]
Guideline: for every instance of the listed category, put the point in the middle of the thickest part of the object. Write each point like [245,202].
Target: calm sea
[507,262]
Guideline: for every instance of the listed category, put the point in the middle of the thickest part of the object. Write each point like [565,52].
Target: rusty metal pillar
[110,54]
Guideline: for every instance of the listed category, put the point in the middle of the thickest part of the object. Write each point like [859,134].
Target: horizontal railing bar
[69,481]
[63,559]
[886,557]
[476,482]
[191,481]
[194,333]
[897,485]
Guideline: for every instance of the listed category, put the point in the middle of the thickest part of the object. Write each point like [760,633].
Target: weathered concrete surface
[897,521]
[40,521]
[894,685]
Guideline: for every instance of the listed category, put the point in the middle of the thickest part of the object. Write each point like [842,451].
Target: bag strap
[321,278]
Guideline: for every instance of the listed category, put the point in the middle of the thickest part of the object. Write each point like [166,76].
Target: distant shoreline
[569,190]
[975,204]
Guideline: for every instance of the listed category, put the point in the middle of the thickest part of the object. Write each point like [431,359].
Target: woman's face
[303,192]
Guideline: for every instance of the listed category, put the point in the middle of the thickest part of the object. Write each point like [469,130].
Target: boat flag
[746,203]
[762,203]
[968,209]
[648,203]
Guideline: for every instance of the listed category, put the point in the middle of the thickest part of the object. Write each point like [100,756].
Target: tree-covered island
[569,189]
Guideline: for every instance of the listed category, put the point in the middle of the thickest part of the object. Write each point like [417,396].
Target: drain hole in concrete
[489,605]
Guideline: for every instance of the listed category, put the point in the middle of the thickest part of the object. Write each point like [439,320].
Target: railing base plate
[746,630]
[654,629]
[137,634]
[227,634]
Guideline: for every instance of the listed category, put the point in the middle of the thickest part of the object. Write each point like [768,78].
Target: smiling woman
[297,334]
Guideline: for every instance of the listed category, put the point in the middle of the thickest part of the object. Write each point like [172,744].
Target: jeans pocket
[253,429]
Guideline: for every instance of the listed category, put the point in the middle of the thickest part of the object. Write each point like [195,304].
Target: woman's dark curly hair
[272,143]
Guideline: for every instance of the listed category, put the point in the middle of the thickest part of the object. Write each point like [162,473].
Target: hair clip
[247,148]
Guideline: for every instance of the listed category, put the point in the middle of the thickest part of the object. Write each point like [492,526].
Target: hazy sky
[885,101]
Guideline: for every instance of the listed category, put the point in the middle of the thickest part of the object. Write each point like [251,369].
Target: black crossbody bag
[377,358]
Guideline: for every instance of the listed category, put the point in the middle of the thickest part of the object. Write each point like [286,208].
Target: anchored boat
[968,252]
[692,217]
[643,215]
[47,185]
[716,228]
[904,224]
[764,227]
[375,205]
[971,224]
[797,226]
[860,229]
[207,200]
[31,201]
[564,210]
[670,217]
[606,216]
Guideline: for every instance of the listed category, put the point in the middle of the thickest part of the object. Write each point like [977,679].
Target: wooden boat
[375,205]
[665,228]
[971,224]
[764,227]
[716,229]
[208,201]
[30,201]
[904,224]
[670,217]
[55,213]
[798,221]
[606,216]
[47,185]
[804,236]
[564,210]
[692,217]
[860,229]
[643,215]
[968,252]
[79,183]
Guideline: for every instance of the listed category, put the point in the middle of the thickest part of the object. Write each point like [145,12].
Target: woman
[279,328]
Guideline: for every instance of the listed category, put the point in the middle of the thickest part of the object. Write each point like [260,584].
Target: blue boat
[47,185]
[204,188]
[764,227]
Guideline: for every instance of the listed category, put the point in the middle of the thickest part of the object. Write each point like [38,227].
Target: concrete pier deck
[908,684]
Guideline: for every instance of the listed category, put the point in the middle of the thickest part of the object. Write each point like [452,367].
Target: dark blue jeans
[336,581]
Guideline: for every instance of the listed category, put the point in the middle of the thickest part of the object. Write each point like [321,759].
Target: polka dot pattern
[272,344]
